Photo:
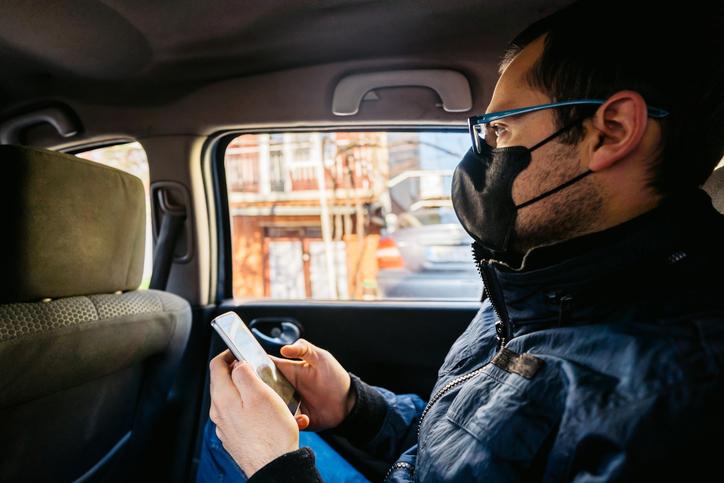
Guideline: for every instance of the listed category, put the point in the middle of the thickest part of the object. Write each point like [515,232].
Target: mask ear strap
[555,190]
[560,186]
[557,133]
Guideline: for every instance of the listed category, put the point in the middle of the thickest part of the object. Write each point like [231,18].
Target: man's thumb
[287,367]
[300,349]
[244,375]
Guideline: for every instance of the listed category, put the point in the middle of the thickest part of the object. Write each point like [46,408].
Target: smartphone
[244,346]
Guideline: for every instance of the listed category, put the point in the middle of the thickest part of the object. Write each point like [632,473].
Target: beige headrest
[73,227]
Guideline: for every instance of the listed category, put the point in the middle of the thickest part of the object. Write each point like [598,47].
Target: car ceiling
[140,52]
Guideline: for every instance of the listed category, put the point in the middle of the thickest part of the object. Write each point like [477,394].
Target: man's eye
[498,130]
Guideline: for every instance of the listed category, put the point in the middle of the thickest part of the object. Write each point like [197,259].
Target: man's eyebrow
[503,107]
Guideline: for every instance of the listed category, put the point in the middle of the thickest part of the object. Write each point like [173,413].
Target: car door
[345,238]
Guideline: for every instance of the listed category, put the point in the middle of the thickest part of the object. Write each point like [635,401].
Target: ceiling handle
[11,129]
[452,87]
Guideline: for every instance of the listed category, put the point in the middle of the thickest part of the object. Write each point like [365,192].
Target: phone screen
[244,346]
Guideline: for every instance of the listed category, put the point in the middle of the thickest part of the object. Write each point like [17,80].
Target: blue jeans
[217,466]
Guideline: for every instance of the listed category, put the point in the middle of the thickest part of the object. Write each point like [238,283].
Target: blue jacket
[595,359]
[601,359]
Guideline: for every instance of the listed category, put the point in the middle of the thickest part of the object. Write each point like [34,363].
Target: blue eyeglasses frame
[475,121]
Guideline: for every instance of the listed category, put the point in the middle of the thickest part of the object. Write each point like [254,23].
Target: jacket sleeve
[381,423]
[293,467]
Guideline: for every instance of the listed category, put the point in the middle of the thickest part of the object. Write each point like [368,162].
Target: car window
[347,216]
[131,158]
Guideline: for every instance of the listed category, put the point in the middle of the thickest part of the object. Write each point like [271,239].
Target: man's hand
[321,381]
[252,422]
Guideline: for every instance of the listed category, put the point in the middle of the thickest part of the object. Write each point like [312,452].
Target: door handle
[273,332]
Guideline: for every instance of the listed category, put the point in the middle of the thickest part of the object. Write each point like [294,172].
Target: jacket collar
[588,278]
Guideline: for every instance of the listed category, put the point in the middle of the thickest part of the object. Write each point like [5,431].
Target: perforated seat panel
[22,319]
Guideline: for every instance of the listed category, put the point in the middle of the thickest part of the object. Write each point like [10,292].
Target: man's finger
[223,391]
[278,361]
[302,421]
[301,349]
[213,414]
[228,356]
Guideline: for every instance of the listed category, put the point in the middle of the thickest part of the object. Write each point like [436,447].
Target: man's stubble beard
[561,216]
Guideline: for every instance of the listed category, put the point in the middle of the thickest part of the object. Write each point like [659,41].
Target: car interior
[166,162]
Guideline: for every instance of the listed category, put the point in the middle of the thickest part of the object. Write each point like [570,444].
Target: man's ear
[619,126]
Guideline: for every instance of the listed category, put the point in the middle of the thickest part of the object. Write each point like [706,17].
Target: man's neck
[615,227]
[617,212]
[621,209]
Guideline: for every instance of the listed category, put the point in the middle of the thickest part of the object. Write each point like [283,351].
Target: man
[598,352]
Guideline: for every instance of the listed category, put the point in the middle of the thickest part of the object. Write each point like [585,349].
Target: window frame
[216,150]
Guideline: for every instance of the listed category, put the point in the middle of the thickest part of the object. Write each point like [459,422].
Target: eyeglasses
[482,130]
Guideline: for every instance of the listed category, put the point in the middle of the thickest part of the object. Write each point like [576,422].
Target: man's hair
[670,53]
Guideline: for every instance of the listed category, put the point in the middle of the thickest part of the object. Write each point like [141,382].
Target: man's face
[566,213]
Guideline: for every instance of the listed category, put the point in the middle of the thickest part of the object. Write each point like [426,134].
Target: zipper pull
[500,333]
[501,327]
[566,302]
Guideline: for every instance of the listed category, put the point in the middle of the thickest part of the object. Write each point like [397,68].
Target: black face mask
[482,193]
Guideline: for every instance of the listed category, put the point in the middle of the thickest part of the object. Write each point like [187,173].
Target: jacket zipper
[502,325]
[444,390]
[461,379]
[501,329]
[400,465]
[440,393]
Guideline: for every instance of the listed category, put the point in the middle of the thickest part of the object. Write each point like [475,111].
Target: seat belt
[168,236]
